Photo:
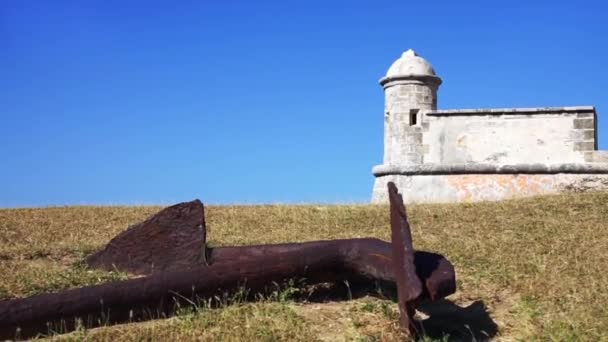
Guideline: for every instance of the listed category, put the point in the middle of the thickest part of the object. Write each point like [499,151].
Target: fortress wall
[510,136]
[484,187]
[480,154]
[493,154]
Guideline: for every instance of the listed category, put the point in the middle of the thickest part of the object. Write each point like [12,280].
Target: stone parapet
[447,169]
[514,111]
[501,136]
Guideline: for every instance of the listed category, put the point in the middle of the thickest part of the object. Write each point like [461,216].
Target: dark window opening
[413,116]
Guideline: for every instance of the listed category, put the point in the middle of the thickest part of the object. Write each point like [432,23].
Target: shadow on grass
[446,321]
[469,323]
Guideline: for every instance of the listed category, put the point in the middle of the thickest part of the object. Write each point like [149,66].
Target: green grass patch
[537,266]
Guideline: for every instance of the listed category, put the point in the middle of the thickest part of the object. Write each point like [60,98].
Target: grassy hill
[530,269]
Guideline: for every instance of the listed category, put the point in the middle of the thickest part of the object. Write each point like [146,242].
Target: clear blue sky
[139,102]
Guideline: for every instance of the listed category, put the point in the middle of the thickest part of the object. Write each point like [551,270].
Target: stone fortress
[461,155]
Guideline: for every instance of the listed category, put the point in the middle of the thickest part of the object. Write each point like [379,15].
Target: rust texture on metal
[200,272]
[173,237]
[409,286]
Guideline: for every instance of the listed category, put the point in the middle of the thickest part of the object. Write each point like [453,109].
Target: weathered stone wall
[509,136]
[480,154]
[403,137]
[493,154]
[487,187]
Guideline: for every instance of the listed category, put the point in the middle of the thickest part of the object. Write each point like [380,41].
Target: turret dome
[410,66]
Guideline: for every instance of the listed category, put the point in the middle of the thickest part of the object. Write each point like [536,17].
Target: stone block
[412,158]
[414,138]
[589,134]
[584,115]
[584,146]
[412,148]
[583,124]
[576,134]
[596,157]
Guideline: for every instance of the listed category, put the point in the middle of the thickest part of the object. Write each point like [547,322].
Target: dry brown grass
[537,268]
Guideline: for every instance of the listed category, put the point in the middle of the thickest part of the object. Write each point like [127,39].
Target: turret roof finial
[409,53]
